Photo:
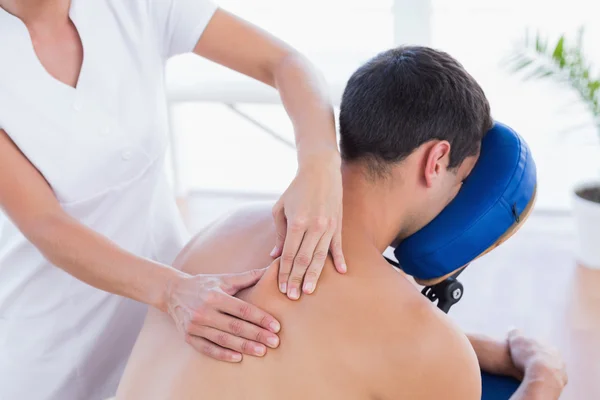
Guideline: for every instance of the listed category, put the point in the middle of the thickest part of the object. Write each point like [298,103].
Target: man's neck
[38,11]
[374,213]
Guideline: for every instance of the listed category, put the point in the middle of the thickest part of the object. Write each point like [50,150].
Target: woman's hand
[308,219]
[217,324]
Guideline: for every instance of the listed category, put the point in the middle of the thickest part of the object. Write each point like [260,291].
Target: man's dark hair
[405,97]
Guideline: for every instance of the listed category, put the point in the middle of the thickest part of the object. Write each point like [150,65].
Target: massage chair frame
[448,292]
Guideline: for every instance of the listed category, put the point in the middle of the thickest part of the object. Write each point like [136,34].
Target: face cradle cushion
[492,204]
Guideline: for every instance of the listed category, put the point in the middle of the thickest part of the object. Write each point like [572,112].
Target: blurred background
[232,142]
[338,36]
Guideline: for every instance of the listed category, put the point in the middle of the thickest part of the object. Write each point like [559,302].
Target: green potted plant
[566,63]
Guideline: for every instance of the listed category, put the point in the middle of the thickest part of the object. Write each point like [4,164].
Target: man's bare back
[367,335]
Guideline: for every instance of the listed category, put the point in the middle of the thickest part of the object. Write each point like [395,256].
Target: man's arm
[540,368]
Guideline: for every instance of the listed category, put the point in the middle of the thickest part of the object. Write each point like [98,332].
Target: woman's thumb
[233,283]
[280,229]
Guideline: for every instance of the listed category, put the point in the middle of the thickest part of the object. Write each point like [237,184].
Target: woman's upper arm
[25,196]
[183,26]
[237,44]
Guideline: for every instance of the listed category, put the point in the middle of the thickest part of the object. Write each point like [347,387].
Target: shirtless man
[411,124]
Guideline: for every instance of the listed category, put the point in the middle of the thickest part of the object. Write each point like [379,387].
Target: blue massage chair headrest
[492,204]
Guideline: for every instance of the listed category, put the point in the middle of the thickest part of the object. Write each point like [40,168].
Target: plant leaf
[558,53]
[565,62]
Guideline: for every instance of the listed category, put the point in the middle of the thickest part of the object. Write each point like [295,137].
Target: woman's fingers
[225,301]
[230,341]
[222,326]
[293,240]
[306,256]
[313,273]
[232,333]
[200,307]
[309,211]
[245,330]
[249,338]
[211,350]
[249,320]
[336,249]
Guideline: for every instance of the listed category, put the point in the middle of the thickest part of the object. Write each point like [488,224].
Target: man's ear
[436,163]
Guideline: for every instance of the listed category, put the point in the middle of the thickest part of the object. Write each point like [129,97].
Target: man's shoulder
[437,358]
[237,220]
[231,242]
[426,355]
[252,213]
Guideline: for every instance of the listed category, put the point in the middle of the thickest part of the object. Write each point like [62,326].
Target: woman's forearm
[305,96]
[95,260]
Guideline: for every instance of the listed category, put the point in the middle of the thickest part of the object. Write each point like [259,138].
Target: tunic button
[126,155]
[105,131]
[77,107]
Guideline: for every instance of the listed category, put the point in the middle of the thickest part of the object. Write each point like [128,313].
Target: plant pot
[586,210]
